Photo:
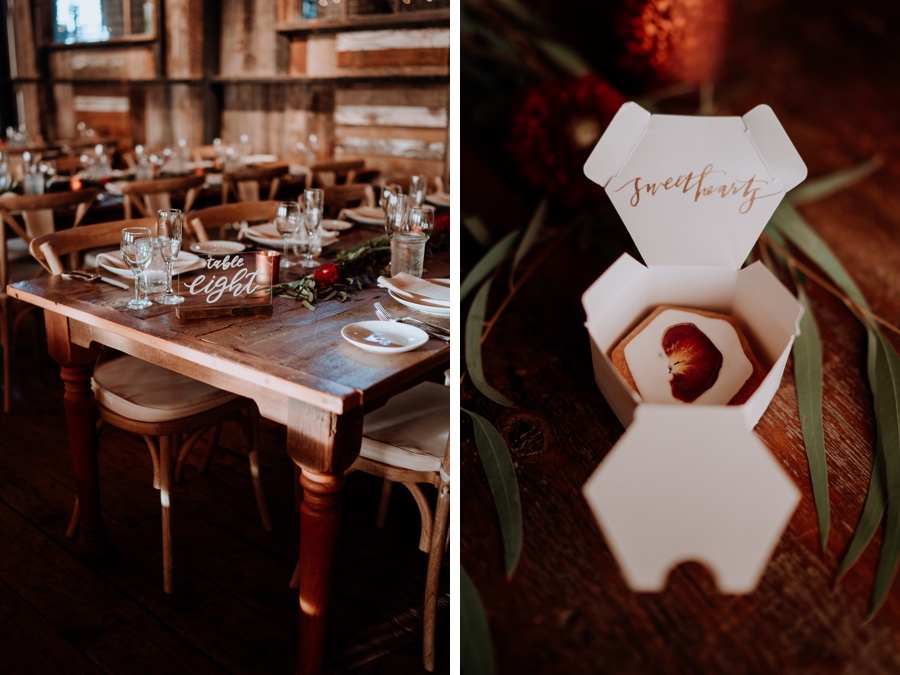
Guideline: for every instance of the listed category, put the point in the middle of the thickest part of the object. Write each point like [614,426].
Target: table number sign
[230,285]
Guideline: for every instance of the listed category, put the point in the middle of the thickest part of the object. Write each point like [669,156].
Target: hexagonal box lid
[695,191]
[689,483]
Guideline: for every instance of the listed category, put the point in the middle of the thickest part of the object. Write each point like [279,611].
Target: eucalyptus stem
[858,310]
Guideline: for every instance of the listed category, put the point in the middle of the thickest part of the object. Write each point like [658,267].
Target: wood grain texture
[567,609]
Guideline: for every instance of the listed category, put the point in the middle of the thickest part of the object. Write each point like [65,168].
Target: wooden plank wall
[379,94]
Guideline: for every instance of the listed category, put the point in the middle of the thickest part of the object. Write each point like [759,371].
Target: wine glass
[421,219]
[136,246]
[397,214]
[385,193]
[287,222]
[313,203]
[169,229]
[418,186]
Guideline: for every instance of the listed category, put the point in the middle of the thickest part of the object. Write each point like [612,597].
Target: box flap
[695,190]
[691,484]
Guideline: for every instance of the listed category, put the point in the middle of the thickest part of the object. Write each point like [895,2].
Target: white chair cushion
[410,431]
[148,393]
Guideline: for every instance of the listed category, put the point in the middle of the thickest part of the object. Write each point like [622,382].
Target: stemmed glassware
[287,222]
[136,246]
[169,231]
[385,193]
[397,214]
[421,219]
[418,186]
[313,204]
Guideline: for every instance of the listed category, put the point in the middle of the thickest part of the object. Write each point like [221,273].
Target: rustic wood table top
[293,363]
[831,76]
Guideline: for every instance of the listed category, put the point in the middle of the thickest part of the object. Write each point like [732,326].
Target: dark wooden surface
[831,74]
[232,611]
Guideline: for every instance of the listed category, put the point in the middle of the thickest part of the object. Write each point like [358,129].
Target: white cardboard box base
[692,482]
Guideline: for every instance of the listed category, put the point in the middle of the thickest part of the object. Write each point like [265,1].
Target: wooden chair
[169,410]
[338,197]
[244,183]
[37,213]
[149,196]
[218,218]
[408,441]
[333,172]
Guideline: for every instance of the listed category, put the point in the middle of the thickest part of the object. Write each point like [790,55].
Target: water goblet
[136,246]
[313,203]
[418,186]
[385,193]
[397,214]
[169,232]
[421,219]
[287,222]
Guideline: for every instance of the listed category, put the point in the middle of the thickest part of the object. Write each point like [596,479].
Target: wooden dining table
[293,363]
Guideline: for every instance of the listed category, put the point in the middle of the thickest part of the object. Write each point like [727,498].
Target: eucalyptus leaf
[792,225]
[476,656]
[887,415]
[808,378]
[825,186]
[501,475]
[478,230]
[873,509]
[531,233]
[486,265]
[564,57]
[474,328]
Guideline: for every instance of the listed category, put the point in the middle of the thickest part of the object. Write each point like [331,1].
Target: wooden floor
[232,611]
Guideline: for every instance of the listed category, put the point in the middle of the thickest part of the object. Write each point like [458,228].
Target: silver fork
[436,331]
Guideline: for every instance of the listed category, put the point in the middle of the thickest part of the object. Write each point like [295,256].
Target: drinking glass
[287,222]
[313,203]
[421,219]
[397,214]
[169,229]
[136,246]
[385,193]
[418,186]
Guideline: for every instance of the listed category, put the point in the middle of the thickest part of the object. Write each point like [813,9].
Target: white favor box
[695,193]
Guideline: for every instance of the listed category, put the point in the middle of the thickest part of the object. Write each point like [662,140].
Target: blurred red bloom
[326,275]
[554,129]
[442,223]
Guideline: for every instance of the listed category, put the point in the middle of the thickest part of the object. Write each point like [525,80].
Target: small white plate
[251,160]
[218,247]
[384,337]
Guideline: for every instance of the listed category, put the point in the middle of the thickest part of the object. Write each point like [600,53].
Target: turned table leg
[320,516]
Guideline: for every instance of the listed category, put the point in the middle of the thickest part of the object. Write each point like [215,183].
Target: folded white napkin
[113,259]
[409,286]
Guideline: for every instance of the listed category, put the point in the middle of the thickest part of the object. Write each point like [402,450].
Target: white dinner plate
[218,247]
[368,215]
[384,337]
[438,199]
[112,262]
[268,235]
[422,304]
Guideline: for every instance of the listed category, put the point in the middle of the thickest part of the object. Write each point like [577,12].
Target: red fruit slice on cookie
[694,361]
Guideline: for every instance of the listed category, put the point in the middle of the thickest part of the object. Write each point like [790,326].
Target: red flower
[554,130]
[326,275]
[442,223]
